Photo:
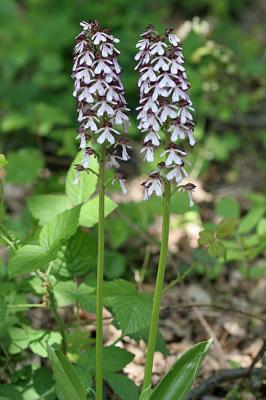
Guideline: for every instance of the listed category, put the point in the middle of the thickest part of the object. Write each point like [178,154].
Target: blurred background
[224,47]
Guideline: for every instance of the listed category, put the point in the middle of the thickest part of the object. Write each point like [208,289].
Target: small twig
[218,307]
[226,375]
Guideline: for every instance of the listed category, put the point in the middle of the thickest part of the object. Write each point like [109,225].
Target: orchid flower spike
[101,105]
[165,109]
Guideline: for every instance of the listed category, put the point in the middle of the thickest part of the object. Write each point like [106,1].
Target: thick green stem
[158,287]
[100,269]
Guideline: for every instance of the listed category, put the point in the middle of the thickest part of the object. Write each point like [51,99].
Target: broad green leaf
[122,386]
[226,227]
[67,293]
[131,309]
[29,258]
[62,227]
[66,376]
[3,161]
[37,340]
[228,207]
[251,219]
[176,384]
[89,211]
[79,255]
[114,359]
[46,207]
[132,312]
[119,287]
[24,165]
[42,380]
[81,192]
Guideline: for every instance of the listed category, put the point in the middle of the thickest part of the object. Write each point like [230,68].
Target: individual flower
[165,109]
[120,178]
[189,187]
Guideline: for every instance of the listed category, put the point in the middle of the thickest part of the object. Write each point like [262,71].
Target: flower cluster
[101,104]
[164,113]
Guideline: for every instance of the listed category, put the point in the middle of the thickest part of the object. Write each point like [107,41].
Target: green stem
[100,269]
[158,288]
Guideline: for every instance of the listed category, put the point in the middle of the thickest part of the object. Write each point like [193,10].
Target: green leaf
[114,359]
[24,166]
[81,192]
[251,219]
[46,207]
[3,161]
[205,237]
[115,264]
[29,258]
[122,386]
[89,211]
[67,293]
[217,249]
[62,227]
[42,380]
[226,227]
[176,384]
[132,310]
[80,253]
[37,340]
[70,385]
[228,207]
[261,229]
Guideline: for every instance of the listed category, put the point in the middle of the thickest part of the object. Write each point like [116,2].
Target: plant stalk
[158,288]
[100,269]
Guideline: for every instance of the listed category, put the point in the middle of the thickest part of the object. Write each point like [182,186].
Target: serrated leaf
[46,207]
[70,385]
[122,386]
[79,256]
[3,161]
[118,287]
[132,312]
[62,227]
[226,227]
[89,211]
[81,192]
[29,258]
[178,381]
[67,293]
[251,219]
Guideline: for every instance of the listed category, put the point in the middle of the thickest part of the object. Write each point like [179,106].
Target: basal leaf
[251,219]
[176,384]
